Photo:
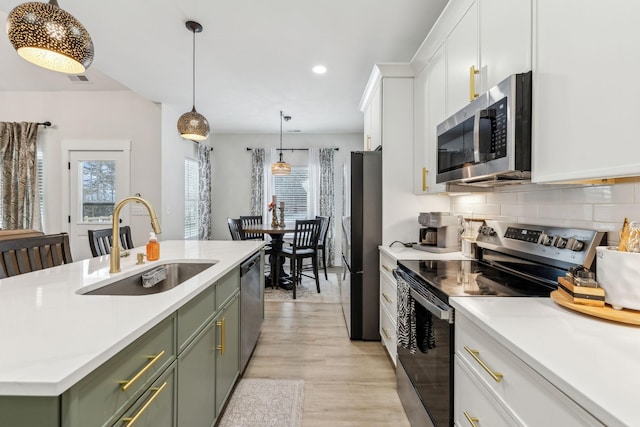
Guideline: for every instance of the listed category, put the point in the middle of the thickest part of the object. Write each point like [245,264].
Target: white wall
[232,170]
[92,115]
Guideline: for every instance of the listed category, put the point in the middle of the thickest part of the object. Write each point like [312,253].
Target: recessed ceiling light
[319,69]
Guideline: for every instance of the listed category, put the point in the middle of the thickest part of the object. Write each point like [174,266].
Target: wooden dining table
[277,239]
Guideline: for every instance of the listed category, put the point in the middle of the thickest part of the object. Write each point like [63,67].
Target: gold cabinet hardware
[472,83]
[385,331]
[472,420]
[425,172]
[221,345]
[124,385]
[387,297]
[386,267]
[368,142]
[156,392]
[497,376]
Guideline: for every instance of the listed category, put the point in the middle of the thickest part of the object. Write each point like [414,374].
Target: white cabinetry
[388,306]
[511,388]
[372,119]
[585,94]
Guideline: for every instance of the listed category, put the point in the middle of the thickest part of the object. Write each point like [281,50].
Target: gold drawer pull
[156,391]
[387,297]
[153,359]
[425,171]
[221,346]
[475,354]
[472,420]
[386,267]
[385,331]
[472,83]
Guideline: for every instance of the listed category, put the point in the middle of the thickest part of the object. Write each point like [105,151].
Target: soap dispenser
[153,247]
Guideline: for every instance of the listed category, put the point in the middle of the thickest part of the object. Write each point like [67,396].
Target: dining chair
[100,240]
[304,245]
[247,222]
[27,254]
[322,240]
[235,228]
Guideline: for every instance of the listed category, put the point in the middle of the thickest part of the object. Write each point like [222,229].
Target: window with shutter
[191,191]
[293,190]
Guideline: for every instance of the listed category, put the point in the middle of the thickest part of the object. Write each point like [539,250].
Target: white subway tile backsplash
[518,210]
[501,198]
[616,213]
[566,211]
[621,193]
[547,196]
[538,221]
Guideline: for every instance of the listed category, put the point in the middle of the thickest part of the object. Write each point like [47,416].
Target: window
[191,191]
[293,190]
[98,191]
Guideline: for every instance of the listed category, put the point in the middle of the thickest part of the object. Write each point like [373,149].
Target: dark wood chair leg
[314,260]
[324,264]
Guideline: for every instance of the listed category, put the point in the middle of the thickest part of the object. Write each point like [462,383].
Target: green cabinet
[228,355]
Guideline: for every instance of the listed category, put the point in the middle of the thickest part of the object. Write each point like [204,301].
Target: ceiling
[253,58]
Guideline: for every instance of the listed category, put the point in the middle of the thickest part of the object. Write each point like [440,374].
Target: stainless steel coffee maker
[440,232]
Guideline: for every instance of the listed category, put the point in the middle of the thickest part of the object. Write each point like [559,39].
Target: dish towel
[406,330]
[425,335]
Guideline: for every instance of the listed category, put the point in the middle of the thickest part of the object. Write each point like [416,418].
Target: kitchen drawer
[389,296]
[387,265]
[388,333]
[227,287]
[155,407]
[521,388]
[99,398]
[194,315]
[473,405]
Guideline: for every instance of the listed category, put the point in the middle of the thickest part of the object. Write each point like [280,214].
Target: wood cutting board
[631,317]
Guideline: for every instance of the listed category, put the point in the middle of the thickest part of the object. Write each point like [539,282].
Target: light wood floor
[347,383]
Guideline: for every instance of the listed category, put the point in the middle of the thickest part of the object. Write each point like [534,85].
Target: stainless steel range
[515,260]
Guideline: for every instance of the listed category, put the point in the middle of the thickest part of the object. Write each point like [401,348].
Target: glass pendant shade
[50,37]
[193,126]
[281,168]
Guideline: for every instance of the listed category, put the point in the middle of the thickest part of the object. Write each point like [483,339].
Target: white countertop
[595,362]
[52,337]
[399,252]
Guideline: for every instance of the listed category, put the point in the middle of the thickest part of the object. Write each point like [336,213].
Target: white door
[97,181]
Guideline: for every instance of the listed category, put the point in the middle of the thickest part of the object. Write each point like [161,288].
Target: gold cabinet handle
[387,297]
[386,267]
[425,172]
[124,385]
[368,142]
[385,331]
[472,83]
[156,392]
[497,376]
[472,420]
[221,346]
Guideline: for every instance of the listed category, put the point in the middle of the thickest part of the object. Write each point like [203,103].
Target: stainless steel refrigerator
[362,234]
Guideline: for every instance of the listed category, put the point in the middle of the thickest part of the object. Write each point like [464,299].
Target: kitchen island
[54,336]
[593,362]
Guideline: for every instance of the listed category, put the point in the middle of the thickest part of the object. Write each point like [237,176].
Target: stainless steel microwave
[489,141]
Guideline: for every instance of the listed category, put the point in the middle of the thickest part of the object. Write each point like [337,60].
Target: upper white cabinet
[462,55]
[585,95]
[505,40]
[372,119]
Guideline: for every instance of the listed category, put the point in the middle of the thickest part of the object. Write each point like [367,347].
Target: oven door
[425,376]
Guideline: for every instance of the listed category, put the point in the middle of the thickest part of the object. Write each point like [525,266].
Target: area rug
[307,292]
[265,402]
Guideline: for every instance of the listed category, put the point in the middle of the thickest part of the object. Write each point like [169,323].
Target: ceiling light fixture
[193,125]
[46,35]
[319,69]
[281,168]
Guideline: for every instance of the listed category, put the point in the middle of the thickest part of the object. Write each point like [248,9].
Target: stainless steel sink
[176,274]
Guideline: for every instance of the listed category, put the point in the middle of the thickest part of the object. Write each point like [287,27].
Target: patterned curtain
[204,199]
[327,197]
[18,151]
[257,181]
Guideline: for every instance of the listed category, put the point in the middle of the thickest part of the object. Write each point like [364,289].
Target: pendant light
[281,168]
[46,35]
[193,125]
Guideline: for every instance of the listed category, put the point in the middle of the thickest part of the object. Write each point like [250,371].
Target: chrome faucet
[114,260]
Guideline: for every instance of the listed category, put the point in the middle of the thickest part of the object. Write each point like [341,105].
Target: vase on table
[281,224]
[274,220]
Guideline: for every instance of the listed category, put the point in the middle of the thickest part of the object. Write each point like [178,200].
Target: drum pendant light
[281,168]
[193,125]
[50,37]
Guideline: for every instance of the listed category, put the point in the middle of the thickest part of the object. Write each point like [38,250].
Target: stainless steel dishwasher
[251,306]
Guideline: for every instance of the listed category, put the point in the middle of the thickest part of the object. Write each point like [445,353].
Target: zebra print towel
[415,324]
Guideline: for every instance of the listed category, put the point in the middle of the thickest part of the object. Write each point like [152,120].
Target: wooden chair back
[100,240]
[324,228]
[306,234]
[235,228]
[27,254]
[247,222]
